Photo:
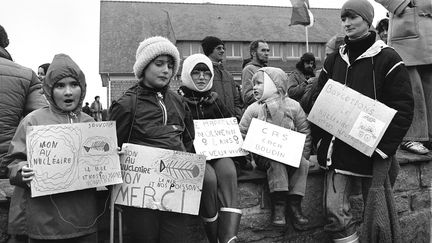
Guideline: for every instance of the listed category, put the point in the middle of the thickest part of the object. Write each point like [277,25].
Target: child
[150,114]
[220,179]
[65,216]
[286,183]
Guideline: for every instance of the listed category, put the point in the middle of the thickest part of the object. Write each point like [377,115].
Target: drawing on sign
[367,129]
[179,170]
[71,157]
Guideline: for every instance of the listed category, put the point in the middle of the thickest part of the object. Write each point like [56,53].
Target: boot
[278,212]
[298,220]
[229,222]
[349,239]
[211,228]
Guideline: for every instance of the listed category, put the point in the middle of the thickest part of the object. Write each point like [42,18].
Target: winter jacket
[50,217]
[247,85]
[224,86]
[279,110]
[410,30]
[297,83]
[20,94]
[392,88]
[159,118]
[205,105]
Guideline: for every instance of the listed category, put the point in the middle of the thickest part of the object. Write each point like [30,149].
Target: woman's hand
[27,174]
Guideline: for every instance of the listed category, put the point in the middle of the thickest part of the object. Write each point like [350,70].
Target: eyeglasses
[197,74]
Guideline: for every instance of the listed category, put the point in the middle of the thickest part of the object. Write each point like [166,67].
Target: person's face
[262,53]
[201,77]
[41,73]
[383,36]
[308,65]
[217,54]
[355,27]
[258,88]
[159,72]
[67,94]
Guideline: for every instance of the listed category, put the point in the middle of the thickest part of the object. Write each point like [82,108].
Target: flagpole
[307,39]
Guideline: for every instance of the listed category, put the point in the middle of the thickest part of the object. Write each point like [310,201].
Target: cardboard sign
[160,179]
[70,157]
[275,142]
[218,138]
[351,116]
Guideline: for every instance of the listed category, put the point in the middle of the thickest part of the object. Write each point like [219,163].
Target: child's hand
[119,151]
[27,174]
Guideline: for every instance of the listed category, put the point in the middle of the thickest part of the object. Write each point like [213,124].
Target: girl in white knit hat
[150,114]
[219,200]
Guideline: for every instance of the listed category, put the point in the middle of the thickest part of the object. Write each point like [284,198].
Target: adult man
[411,36]
[86,109]
[373,69]
[259,52]
[302,77]
[96,109]
[223,82]
[21,93]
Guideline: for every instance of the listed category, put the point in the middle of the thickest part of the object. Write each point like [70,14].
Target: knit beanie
[361,7]
[189,64]
[209,43]
[307,57]
[151,48]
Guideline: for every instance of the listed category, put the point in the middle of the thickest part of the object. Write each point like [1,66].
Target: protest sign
[218,138]
[160,179]
[275,142]
[351,116]
[70,157]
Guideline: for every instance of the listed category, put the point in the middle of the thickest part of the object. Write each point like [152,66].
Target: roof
[124,24]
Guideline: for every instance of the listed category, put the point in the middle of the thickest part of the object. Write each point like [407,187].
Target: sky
[39,29]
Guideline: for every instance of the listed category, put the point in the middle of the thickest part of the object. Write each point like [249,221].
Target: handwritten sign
[70,157]
[160,179]
[275,142]
[218,138]
[351,116]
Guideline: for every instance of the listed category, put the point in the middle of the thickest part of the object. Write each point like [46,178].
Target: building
[123,25]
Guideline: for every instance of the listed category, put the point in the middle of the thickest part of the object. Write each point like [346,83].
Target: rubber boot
[211,228]
[349,239]
[278,209]
[298,220]
[229,222]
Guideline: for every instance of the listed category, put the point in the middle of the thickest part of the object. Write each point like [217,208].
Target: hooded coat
[278,109]
[45,216]
[204,104]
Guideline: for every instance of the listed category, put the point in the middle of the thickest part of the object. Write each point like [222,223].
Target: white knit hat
[151,48]
[189,64]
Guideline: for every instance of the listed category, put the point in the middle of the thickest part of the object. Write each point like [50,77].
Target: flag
[301,15]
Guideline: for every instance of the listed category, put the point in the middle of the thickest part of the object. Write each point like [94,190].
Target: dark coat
[159,118]
[205,105]
[392,87]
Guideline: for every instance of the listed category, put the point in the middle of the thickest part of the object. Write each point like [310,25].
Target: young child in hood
[150,114]
[287,184]
[70,215]
[219,191]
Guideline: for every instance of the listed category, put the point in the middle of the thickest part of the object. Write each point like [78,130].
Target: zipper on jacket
[201,110]
[71,116]
[159,97]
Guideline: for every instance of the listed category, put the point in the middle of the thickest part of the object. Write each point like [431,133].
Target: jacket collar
[371,52]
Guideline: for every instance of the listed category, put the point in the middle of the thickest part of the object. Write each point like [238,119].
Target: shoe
[414,147]
[278,216]
[298,220]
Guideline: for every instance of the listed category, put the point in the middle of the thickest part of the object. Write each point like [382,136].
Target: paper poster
[160,179]
[275,142]
[351,116]
[218,138]
[70,157]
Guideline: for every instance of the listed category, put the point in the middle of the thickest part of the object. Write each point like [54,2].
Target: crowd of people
[388,65]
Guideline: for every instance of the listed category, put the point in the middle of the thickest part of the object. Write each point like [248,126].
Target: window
[233,50]
[275,50]
[190,48]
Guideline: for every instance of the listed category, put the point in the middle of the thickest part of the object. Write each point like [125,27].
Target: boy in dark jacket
[150,114]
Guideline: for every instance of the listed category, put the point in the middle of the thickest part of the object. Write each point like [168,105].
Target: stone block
[312,204]
[249,194]
[408,178]
[6,190]
[426,174]
[402,201]
[421,200]
[416,227]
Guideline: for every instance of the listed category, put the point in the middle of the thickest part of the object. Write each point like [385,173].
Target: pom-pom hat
[151,48]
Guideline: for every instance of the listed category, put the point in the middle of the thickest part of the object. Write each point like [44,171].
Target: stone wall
[413,192]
